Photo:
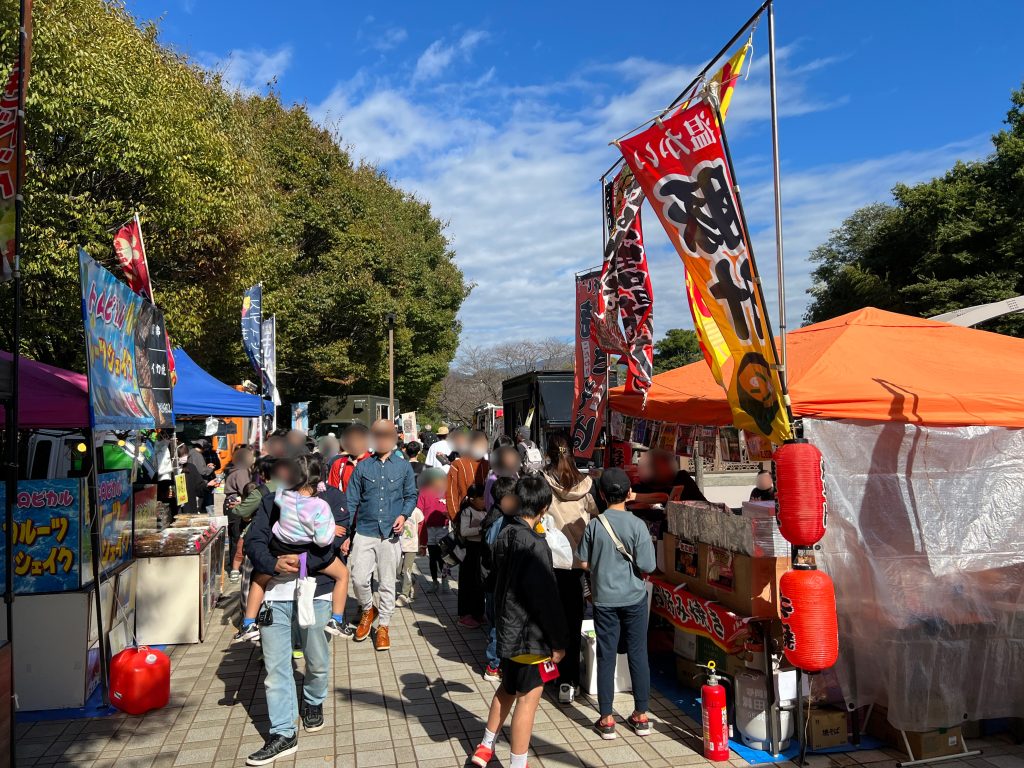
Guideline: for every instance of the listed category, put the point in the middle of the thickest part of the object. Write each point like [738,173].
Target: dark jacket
[530,619]
[196,486]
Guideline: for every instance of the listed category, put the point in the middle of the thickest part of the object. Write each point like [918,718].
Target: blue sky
[499,115]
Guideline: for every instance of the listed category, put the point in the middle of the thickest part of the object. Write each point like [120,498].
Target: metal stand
[965,752]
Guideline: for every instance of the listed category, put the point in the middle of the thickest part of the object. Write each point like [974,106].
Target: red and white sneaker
[482,756]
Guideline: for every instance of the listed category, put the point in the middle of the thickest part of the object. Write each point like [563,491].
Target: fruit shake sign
[47,536]
[129,378]
[115,496]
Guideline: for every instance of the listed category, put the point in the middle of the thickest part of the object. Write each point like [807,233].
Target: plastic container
[140,680]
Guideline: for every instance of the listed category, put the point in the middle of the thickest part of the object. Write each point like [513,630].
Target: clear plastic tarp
[925,544]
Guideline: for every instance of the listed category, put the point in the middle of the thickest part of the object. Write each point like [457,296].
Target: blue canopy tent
[197,393]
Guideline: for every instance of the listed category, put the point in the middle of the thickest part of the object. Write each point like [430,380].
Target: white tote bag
[305,589]
[558,543]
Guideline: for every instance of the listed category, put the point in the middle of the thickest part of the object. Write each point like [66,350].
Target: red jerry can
[140,680]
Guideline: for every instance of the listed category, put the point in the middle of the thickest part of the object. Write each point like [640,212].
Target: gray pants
[370,554]
[408,562]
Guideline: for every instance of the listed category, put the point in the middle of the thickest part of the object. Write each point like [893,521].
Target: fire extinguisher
[715,716]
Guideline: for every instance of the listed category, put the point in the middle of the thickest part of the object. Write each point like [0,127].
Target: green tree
[232,190]
[948,243]
[679,347]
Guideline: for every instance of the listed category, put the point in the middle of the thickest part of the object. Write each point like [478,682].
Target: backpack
[533,459]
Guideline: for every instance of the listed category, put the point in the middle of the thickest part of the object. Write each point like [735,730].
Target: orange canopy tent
[871,365]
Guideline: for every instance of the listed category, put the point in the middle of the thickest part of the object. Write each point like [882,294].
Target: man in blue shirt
[381,494]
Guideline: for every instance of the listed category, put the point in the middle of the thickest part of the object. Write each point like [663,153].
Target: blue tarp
[199,394]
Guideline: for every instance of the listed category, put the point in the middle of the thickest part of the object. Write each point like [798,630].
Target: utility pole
[391,366]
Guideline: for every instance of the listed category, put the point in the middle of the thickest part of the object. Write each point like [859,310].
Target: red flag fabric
[131,255]
[8,171]
[591,385]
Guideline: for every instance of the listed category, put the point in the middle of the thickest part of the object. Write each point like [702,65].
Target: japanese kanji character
[716,625]
[786,607]
[737,297]
[699,128]
[702,208]
[788,638]
[699,613]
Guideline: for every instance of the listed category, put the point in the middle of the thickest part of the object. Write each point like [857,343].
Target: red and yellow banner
[681,167]
[591,385]
[695,614]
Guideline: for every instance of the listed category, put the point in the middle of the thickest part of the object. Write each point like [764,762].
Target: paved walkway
[423,704]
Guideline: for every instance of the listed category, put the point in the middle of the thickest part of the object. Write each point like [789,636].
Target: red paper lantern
[810,629]
[800,493]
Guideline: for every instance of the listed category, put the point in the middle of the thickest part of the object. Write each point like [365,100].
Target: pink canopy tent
[50,397]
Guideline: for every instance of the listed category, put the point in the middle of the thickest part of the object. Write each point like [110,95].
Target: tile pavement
[422,704]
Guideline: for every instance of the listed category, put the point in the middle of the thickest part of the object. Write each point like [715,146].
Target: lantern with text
[800,493]
[810,629]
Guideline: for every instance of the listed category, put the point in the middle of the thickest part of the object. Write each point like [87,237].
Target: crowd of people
[536,543]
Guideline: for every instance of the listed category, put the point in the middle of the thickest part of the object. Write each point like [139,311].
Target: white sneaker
[566,694]
[402,600]
[235,576]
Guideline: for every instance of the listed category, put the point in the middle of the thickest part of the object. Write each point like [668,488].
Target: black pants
[570,589]
[436,561]
[471,590]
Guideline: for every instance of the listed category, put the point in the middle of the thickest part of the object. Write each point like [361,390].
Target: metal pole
[97,573]
[24,25]
[391,367]
[259,432]
[778,199]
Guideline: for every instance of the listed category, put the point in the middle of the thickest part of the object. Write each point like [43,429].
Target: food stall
[919,424]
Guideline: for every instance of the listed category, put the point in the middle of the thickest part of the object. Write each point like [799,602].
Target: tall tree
[232,189]
[679,347]
[948,243]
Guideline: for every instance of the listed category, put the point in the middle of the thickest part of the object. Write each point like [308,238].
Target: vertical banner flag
[300,416]
[126,358]
[252,325]
[131,255]
[591,369]
[682,170]
[268,336]
[9,181]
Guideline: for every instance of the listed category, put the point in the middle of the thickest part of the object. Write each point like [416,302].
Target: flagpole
[778,202]
[259,433]
[145,260]
[24,42]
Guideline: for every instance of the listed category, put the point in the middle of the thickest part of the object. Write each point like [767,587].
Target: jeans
[492,633]
[370,554]
[629,623]
[408,562]
[282,703]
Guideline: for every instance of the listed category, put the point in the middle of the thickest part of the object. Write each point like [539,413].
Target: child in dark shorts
[531,627]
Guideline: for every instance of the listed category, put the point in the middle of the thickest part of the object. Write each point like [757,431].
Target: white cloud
[439,55]
[249,71]
[513,168]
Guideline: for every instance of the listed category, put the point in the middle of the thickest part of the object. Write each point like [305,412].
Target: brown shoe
[382,642]
[365,624]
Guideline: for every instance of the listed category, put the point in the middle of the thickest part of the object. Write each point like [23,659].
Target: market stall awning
[197,393]
[49,397]
[871,365]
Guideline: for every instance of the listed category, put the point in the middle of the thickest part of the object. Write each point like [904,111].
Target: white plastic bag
[305,589]
[558,542]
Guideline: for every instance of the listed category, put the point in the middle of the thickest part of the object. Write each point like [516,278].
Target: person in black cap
[617,550]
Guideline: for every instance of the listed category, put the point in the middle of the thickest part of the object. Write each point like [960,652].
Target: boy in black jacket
[530,623]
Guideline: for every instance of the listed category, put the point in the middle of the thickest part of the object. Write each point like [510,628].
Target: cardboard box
[688,674]
[682,564]
[685,644]
[926,745]
[827,728]
[745,585]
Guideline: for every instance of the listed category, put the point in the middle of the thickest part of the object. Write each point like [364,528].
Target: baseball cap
[614,482]
[523,431]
